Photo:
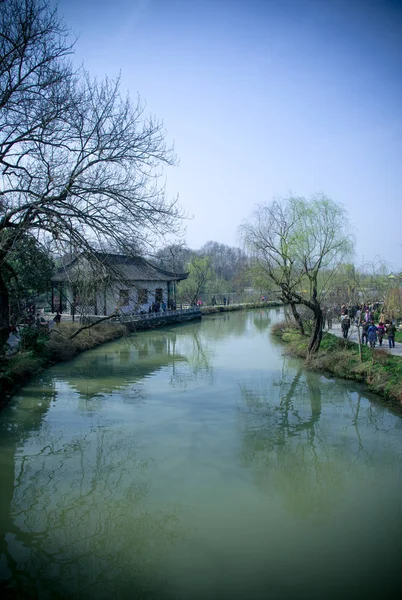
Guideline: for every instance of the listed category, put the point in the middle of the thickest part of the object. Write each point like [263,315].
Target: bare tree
[292,241]
[173,257]
[80,164]
[226,261]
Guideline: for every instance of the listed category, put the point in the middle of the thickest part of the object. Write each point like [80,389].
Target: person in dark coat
[391,329]
[345,324]
[372,334]
[365,327]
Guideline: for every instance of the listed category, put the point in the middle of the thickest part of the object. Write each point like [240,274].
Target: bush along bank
[379,370]
[39,351]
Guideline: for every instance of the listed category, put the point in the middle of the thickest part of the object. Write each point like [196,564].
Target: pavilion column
[169,283]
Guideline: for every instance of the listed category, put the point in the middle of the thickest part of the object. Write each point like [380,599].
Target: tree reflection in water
[127,483]
[293,449]
[74,509]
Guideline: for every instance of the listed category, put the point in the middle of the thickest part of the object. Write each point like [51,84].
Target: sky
[262,99]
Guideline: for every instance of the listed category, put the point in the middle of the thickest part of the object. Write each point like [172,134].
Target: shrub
[35,339]
[63,348]
[279,328]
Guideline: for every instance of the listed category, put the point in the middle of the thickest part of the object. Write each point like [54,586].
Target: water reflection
[120,365]
[292,446]
[261,320]
[79,500]
[196,462]
[125,364]
[188,353]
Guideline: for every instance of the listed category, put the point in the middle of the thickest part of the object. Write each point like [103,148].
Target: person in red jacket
[380,332]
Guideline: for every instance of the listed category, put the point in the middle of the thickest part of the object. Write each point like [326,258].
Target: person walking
[358,316]
[345,324]
[329,318]
[391,329]
[365,327]
[380,332]
[372,334]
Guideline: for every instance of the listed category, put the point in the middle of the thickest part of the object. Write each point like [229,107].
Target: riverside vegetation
[379,370]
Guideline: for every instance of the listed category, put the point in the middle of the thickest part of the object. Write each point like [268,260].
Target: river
[198,462]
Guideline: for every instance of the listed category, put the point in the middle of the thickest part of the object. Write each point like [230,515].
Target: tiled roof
[129,268]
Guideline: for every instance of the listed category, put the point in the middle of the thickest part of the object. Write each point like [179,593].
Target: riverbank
[211,310]
[380,371]
[46,351]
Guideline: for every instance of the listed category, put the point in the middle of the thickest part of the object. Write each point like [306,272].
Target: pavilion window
[124,298]
[142,296]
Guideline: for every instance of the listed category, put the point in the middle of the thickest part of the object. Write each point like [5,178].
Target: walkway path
[353,337]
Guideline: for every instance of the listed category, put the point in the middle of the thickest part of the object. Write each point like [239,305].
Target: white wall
[133,306]
[113,295]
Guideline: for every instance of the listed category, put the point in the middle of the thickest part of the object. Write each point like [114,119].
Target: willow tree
[293,241]
[79,163]
[199,273]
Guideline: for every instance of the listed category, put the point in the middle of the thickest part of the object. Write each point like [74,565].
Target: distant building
[99,284]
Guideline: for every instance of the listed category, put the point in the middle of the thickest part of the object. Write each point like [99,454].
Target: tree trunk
[360,343]
[4,313]
[316,334]
[297,317]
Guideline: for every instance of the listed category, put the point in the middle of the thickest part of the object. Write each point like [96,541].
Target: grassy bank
[211,310]
[44,351]
[380,371]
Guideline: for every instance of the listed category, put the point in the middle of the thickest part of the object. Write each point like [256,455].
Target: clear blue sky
[263,98]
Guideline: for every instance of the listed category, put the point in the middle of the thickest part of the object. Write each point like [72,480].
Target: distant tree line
[215,271]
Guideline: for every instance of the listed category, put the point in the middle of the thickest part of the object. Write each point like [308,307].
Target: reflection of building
[99,285]
[129,363]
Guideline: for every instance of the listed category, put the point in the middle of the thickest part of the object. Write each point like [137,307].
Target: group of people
[364,316]
[226,301]
[157,307]
[371,333]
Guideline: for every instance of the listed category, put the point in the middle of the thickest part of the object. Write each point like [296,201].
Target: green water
[197,462]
